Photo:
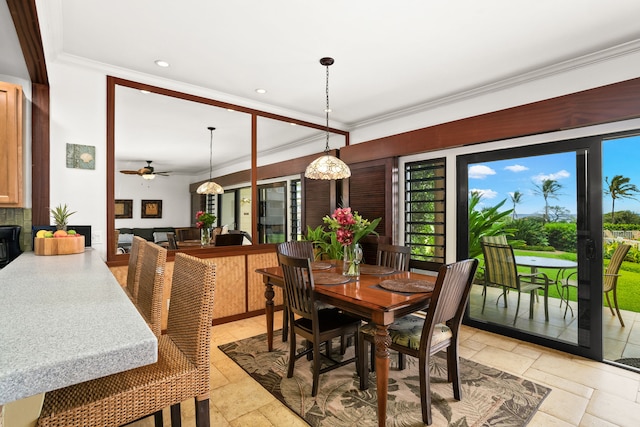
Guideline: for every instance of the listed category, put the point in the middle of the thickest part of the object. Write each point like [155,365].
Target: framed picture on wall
[151,209]
[124,208]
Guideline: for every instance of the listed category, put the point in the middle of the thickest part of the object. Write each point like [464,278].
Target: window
[425,212]
[295,197]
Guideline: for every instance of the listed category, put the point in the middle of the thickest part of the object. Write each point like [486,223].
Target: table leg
[382,342]
[269,294]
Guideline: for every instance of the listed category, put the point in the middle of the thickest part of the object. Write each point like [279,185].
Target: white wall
[78,116]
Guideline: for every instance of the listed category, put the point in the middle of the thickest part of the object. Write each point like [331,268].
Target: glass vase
[352,259]
[205,236]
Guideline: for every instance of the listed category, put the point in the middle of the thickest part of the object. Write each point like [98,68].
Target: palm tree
[516,198]
[549,189]
[619,188]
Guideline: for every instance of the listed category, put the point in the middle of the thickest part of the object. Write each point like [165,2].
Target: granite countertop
[63,320]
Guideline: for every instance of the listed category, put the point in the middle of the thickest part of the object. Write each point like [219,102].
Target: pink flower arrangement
[349,226]
[204,219]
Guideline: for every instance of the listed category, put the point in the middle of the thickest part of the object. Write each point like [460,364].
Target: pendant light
[327,166]
[210,187]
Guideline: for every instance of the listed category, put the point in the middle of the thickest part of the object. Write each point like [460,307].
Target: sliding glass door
[540,199]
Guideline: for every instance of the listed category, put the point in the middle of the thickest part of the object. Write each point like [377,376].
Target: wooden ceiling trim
[25,21]
[605,104]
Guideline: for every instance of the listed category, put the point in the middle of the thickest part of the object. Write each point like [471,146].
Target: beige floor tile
[253,419]
[589,420]
[494,340]
[217,378]
[281,416]
[555,382]
[564,406]
[541,419]
[613,409]
[502,359]
[239,398]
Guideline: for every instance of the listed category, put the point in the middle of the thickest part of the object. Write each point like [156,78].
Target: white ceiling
[390,57]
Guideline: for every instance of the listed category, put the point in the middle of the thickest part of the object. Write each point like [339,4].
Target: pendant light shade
[210,187]
[327,167]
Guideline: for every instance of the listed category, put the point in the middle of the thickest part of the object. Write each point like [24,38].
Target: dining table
[378,295]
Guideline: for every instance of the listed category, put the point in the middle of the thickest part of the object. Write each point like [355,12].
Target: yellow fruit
[41,233]
[60,233]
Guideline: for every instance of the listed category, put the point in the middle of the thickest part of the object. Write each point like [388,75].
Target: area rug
[489,397]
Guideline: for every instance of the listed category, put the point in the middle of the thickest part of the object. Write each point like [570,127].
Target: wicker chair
[315,325]
[182,370]
[150,288]
[394,256]
[133,271]
[421,338]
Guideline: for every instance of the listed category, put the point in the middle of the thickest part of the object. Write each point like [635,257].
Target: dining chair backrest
[150,289]
[136,252]
[229,239]
[450,294]
[171,240]
[611,273]
[297,249]
[299,286]
[191,311]
[394,256]
[499,239]
[500,265]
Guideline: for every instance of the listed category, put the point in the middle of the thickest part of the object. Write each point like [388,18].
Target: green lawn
[628,282]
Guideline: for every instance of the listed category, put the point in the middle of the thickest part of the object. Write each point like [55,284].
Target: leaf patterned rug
[489,397]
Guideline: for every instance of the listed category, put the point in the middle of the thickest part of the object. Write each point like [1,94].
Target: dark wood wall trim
[605,104]
[40,154]
[25,20]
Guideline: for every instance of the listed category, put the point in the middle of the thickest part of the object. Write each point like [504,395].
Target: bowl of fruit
[59,242]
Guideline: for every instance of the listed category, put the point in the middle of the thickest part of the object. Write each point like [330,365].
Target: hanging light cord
[211,153]
[326,148]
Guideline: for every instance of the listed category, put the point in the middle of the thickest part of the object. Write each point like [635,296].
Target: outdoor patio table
[536,262]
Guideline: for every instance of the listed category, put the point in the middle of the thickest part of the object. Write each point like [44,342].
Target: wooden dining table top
[364,295]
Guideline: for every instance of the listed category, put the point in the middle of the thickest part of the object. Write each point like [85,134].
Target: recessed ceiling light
[292,124]
[146,92]
[261,90]
[161,63]
[230,109]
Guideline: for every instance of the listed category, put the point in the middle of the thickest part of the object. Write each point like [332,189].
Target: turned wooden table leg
[382,342]
[269,294]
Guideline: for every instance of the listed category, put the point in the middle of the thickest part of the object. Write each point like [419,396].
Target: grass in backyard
[628,282]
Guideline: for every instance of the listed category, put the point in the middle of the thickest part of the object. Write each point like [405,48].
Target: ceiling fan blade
[130,172]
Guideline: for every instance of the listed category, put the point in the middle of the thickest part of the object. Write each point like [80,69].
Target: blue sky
[496,180]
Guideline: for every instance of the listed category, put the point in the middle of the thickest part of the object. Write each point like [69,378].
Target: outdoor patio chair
[609,284]
[501,271]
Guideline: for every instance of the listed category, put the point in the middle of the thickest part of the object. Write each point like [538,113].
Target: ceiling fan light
[209,187]
[327,167]
[148,176]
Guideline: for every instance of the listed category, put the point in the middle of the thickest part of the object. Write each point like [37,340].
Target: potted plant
[60,215]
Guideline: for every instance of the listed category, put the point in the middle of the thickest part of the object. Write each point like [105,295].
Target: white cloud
[516,168]
[485,193]
[480,171]
[555,176]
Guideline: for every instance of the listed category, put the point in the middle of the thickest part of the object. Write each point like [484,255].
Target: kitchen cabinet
[11,171]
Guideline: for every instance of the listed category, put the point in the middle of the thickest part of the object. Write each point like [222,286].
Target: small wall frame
[151,209]
[123,208]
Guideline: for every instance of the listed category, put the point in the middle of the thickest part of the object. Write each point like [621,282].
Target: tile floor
[584,392]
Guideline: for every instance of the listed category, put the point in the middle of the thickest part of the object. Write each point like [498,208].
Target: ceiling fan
[147,172]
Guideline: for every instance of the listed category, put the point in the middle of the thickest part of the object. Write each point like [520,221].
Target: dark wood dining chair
[394,256]
[315,325]
[171,240]
[136,253]
[422,337]
[182,371]
[501,270]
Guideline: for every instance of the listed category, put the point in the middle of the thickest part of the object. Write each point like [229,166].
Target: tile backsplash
[23,218]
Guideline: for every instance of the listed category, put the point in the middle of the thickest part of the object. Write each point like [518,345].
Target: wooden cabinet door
[11,180]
